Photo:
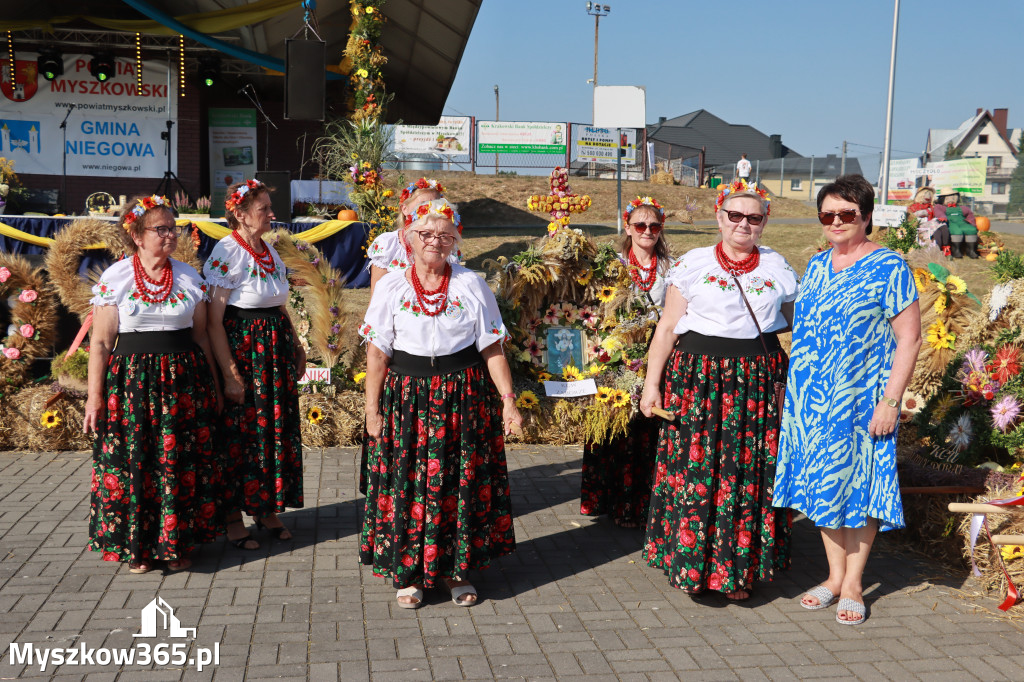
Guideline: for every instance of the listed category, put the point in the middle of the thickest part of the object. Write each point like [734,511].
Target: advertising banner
[450,136]
[902,179]
[521,137]
[114,128]
[232,152]
[960,175]
[600,144]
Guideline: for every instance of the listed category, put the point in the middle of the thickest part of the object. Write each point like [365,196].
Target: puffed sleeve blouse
[117,288]
[231,267]
[714,306]
[658,289]
[394,320]
[388,253]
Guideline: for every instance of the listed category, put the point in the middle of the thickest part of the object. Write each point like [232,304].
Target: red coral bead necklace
[431,302]
[142,282]
[264,260]
[646,282]
[737,267]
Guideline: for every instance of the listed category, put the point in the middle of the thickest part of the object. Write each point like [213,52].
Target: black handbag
[780,386]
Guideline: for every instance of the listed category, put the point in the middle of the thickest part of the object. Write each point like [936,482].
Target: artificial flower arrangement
[560,203]
[364,61]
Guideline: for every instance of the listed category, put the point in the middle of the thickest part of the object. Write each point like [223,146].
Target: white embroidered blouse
[117,287]
[714,306]
[231,267]
[388,253]
[659,287]
[394,320]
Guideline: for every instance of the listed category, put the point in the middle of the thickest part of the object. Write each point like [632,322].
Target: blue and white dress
[829,466]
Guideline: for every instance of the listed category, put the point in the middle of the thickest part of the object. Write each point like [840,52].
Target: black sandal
[240,543]
[277,531]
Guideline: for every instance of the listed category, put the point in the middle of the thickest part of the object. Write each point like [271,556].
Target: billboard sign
[601,144]
[450,137]
[521,137]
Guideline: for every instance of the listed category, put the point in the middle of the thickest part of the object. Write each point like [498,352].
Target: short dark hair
[853,188]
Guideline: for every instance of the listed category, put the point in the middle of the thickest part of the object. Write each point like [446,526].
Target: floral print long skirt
[712,524]
[618,475]
[437,499]
[262,436]
[156,476]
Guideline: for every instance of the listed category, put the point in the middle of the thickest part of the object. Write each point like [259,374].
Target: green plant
[1016,204]
[903,237]
[1009,265]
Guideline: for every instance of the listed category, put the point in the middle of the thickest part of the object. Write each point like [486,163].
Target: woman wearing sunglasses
[617,474]
[712,525]
[855,341]
[153,400]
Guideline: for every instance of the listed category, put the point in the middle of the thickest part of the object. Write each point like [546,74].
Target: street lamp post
[597,11]
[497,117]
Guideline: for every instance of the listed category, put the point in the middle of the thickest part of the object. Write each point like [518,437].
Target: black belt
[155,343]
[426,366]
[232,312]
[723,347]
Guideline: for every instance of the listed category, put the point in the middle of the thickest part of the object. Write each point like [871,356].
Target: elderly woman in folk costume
[153,398]
[712,525]
[261,361]
[437,503]
[617,475]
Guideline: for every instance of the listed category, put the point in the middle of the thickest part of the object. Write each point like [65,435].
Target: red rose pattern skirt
[261,436]
[437,499]
[156,477]
[712,524]
[617,475]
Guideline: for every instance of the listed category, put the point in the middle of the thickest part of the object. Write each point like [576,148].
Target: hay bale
[992,579]
[24,415]
[342,420]
[663,178]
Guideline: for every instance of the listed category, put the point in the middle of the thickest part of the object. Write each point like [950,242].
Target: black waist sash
[235,313]
[157,343]
[426,366]
[722,347]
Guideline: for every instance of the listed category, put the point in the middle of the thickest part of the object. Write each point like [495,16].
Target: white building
[984,135]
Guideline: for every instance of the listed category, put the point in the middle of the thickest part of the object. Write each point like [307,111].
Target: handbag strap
[750,310]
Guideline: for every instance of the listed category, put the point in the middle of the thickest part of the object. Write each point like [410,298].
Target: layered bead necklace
[737,267]
[646,282]
[432,302]
[143,282]
[265,260]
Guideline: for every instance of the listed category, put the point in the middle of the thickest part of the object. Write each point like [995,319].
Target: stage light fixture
[209,70]
[102,67]
[50,63]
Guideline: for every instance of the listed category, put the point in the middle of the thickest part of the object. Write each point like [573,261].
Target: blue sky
[815,71]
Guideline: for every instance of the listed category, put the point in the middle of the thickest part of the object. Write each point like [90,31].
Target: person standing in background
[743,168]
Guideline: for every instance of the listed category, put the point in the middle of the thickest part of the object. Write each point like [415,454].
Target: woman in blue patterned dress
[856,335]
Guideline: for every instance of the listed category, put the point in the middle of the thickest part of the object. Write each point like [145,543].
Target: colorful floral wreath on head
[439,207]
[643,201]
[142,205]
[236,198]
[422,183]
[742,186]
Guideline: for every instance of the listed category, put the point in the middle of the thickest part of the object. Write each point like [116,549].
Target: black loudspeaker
[305,82]
[281,197]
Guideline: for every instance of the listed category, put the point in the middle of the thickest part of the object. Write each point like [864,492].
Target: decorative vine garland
[33,319]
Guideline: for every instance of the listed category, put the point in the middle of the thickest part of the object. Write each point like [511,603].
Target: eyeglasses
[846,216]
[428,237]
[165,231]
[752,218]
[655,228]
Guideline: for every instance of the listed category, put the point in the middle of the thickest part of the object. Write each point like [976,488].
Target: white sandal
[414,592]
[462,591]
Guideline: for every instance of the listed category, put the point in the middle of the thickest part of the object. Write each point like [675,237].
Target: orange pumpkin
[348,214]
[992,256]
[982,223]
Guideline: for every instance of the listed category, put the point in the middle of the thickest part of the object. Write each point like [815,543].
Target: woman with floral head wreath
[391,250]
[617,475]
[153,400]
[437,500]
[261,362]
[714,362]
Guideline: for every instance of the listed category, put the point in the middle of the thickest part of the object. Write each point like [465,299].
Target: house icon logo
[159,614]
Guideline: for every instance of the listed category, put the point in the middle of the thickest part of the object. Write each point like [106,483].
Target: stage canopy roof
[423,39]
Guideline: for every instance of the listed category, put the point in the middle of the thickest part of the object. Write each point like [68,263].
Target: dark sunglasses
[846,216]
[655,228]
[752,218]
[165,231]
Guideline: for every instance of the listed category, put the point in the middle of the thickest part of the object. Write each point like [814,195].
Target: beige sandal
[414,592]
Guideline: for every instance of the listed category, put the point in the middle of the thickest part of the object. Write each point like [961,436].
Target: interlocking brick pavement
[576,601]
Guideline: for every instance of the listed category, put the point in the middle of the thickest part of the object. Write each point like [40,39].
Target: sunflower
[315,415]
[606,293]
[604,394]
[358,378]
[958,285]
[571,373]
[544,376]
[585,278]
[620,398]
[921,278]
[50,419]
[939,337]
[940,305]
[527,400]
[1011,552]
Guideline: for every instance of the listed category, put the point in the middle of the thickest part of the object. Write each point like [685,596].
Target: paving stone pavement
[576,600]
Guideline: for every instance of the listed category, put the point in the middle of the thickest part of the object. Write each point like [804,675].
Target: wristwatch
[891,402]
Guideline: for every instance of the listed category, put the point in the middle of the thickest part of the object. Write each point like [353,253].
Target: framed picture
[566,346]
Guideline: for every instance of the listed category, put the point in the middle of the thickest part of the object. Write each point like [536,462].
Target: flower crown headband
[142,205]
[643,201]
[742,186]
[232,202]
[439,207]
[422,183]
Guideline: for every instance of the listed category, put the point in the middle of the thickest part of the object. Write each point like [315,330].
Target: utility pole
[497,117]
[842,164]
[884,183]
[596,10]
[810,190]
